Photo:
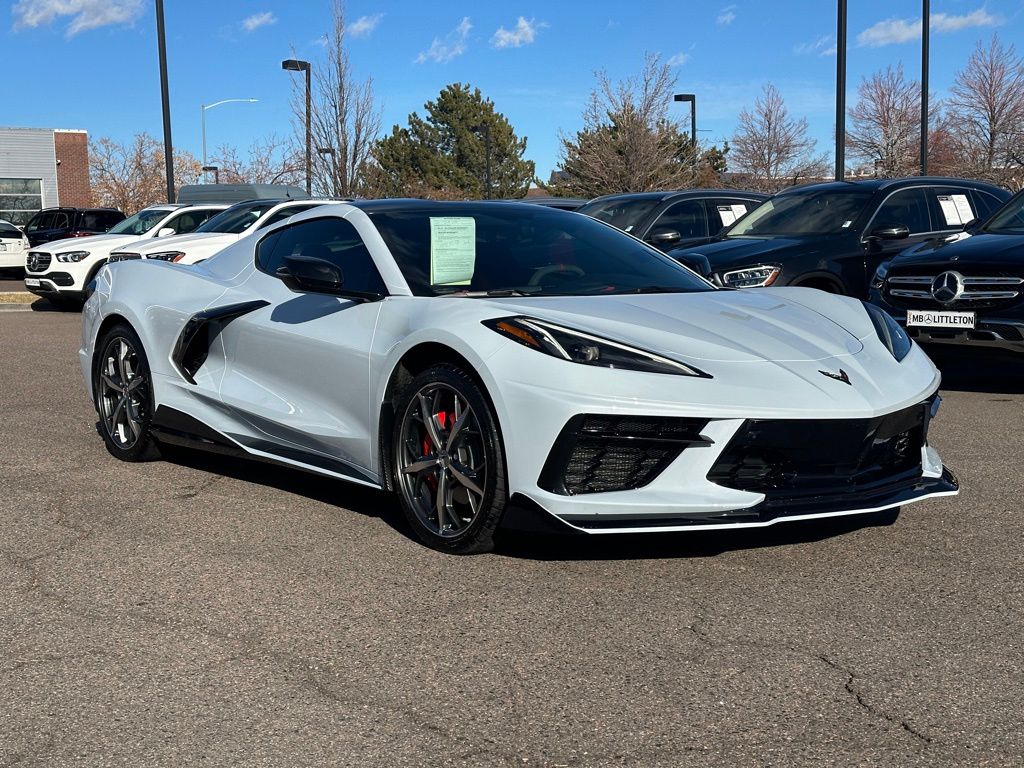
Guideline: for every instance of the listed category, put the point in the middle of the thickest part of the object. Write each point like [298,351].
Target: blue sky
[92,63]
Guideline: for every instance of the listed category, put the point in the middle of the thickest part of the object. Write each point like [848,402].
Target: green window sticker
[452,250]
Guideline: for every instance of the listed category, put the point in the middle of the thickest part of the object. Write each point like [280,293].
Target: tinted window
[528,249]
[725,213]
[237,218]
[908,207]
[985,203]
[685,217]
[1009,219]
[140,223]
[281,215]
[804,213]
[40,221]
[626,214]
[8,230]
[60,221]
[950,207]
[331,239]
[188,221]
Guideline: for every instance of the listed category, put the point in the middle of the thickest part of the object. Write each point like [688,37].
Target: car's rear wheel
[124,395]
[448,461]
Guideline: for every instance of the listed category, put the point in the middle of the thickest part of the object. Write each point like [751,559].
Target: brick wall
[72,151]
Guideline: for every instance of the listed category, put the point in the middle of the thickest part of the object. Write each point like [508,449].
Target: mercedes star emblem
[947,287]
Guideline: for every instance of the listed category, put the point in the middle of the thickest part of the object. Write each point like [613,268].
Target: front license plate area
[933,319]
[31,282]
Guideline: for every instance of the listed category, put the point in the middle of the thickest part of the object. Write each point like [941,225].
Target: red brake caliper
[443,419]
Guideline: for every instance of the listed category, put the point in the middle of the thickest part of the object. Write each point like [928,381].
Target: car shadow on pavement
[522,545]
[979,370]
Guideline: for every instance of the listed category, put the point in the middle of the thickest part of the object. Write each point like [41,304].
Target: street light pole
[329,152]
[204,107]
[925,34]
[841,90]
[692,99]
[297,65]
[166,100]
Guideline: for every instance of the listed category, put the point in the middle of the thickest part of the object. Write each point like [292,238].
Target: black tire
[455,500]
[123,396]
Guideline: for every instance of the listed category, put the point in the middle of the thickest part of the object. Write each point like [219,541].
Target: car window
[140,223]
[9,230]
[1009,220]
[237,218]
[281,215]
[331,239]
[188,221]
[725,213]
[907,207]
[685,217]
[91,220]
[39,221]
[804,212]
[951,207]
[984,203]
[60,221]
[626,214]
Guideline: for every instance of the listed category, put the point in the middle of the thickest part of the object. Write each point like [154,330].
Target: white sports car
[490,361]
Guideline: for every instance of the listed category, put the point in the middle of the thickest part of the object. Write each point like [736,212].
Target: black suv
[834,235]
[672,219]
[966,289]
[58,223]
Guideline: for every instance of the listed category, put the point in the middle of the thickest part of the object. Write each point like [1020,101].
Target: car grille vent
[37,261]
[979,291]
[597,453]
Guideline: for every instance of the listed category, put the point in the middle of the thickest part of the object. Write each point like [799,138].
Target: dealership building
[42,168]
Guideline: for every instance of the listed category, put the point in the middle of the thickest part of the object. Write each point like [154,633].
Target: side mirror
[308,275]
[972,225]
[665,238]
[890,232]
[165,232]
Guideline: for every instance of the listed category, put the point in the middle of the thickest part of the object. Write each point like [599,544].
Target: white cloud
[523,34]
[364,25]
[823,46]
[891,31]
[453,44]
[258,20]
[726,16]
[679,59]
[85,14]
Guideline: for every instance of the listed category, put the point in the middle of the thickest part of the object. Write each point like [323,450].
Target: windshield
[624,213]
[803,213]
[1008,220]
[140,223]
[8,230]
[480,249]
[237,218]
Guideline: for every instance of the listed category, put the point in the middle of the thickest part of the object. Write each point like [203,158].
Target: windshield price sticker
[452,250]
[926,319]
[728,213]
[956,209]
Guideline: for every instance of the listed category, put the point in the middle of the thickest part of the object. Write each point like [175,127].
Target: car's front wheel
[124,397]
[448,461]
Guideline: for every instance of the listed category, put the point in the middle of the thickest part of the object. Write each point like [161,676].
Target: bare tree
[771,149]
[628,142]
[131,176]
[345,117]
[885,123]
[268,161]
[986,104]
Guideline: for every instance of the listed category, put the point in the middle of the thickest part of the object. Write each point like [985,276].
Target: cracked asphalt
[203,611]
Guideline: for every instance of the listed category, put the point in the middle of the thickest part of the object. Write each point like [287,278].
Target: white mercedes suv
[217,233]
[60,270]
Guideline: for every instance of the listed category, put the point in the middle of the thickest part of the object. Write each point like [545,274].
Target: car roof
[873,185]
[76,208]
[682,193]
[412,204]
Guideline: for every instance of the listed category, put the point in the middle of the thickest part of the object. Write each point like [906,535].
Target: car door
[907,207]
[296,372]
[680,223]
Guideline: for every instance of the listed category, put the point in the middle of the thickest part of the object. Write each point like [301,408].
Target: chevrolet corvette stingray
[488,361]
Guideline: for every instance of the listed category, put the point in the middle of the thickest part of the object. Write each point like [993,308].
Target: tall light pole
[692,99]
[204,107]
[329,152]
[166,100]
[297,65]
[841,90]
[925,33]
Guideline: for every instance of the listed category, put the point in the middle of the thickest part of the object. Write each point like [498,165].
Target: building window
[19,199]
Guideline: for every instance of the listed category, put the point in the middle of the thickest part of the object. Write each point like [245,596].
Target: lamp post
[297,65]
[841,90]
[925,32]
[165,100]
[692,99]
[325,152]
[216,172]
[204,107]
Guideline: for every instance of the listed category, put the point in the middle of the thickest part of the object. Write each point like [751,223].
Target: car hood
[725,326]
[998,251]
[205,239]
[107,242]
[749,251]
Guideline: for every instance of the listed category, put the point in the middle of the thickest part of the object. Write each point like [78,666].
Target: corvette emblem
[841,376]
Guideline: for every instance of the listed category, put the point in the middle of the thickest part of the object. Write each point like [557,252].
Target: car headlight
[889,332]
[122,256]
[880,274]
[72,257]
[579,347]
[167,256]
[751,277]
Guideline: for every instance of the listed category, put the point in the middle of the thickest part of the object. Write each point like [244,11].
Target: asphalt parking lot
[210,612]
